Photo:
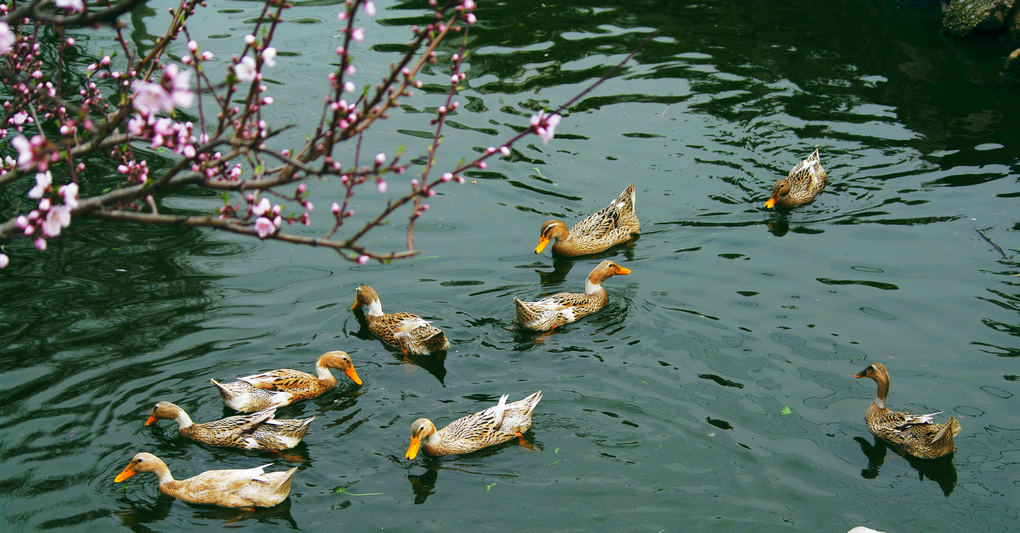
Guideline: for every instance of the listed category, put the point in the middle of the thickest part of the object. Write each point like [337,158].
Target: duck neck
[324,374]
[883,392]
[183,420]
[163,474]
[374,308]
[592,287]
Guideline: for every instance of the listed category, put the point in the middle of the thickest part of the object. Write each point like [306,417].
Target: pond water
[716,390]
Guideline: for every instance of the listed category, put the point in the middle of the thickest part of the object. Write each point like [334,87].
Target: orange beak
[150,420]
[861,374]
[542,241]
[412,450]
[355,306]
[124,474]
[351,373]
[622,271]
[771,202]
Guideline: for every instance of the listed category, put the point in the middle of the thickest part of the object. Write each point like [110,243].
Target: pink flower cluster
[173,91]
[545,125]
[49,217]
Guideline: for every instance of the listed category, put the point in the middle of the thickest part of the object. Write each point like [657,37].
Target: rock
[961,17]
[1012,68]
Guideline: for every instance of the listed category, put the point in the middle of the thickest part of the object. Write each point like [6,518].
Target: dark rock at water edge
[963,17]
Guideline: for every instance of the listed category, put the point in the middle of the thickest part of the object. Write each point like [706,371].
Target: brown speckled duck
[408,332]
[256,431]
[804,182]
[246,488]
[614,224]
[565,307]
[276,388]
[915,434]
[494,425]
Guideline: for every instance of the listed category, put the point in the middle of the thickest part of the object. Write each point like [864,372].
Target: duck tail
[950,428]
[531,402]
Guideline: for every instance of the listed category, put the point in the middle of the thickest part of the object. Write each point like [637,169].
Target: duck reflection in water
[433,364]
[940,470]
[139,514]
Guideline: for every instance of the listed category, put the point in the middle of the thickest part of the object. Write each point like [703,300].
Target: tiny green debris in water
[341,490]
[786,410]
[490,485]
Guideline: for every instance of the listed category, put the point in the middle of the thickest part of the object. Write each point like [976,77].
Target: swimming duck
[804,182]
[614,224]
[256,431]
[494,425]
[276,388]
[917,435]
[411,333]
[565,307]
[250,487]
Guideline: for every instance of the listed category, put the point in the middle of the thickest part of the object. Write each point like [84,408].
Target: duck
[276,388]
[255,431]
[565,307]
[406,331]
[918,435]
[494,425]
[801,185]
[247,488]
[614,224]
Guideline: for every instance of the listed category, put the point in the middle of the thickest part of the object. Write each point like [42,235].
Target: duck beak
[151,419]
[124,474]
[862,374]
[355,306]
[622,271]
[351,373]
[412,450]
[542,241]
[771,202]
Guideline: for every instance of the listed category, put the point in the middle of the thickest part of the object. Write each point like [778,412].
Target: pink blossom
[7,38]
[505,150]
[363,259]
[22,221]
[264,227]
[26,153]
[42,182]
[369,7]
[349,87]
[150,98]
[381,185]
[358,35]
[4,260]
[136,126]
[19,118]
[261,208]
[380,158]
[335,208]
[70,194]
[249,39]
[40,243]
[545,126]
[245,69]
[180,86]
[269,56]
[73,5]
[58,217]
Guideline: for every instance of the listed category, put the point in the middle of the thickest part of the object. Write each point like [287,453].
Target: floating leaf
[341,490]
[786,410]
[490,485]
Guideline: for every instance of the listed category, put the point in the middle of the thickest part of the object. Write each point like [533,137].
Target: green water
[662,412]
